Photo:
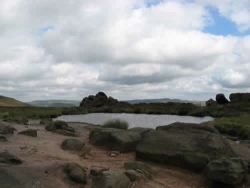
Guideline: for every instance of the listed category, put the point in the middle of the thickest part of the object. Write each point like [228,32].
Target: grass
[116,123]
[238,126]
[6,101]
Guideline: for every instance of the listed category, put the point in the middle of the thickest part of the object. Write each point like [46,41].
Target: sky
[129,49]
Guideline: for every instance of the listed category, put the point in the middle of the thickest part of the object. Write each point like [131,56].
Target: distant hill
[54,103]
[165,100]
[6,101]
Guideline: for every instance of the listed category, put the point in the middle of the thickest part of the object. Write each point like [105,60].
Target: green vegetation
[234,126]
[6,101]
[116,123]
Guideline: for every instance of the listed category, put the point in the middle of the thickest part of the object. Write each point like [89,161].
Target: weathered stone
[85,151]
[229,171]
[189,146]
[110,179]
[72,144]
[115,139]
[76,172]
[134,165]
[221,99]
[3,138]
[141,130]
[135,176]
[29,132]
[239,97]
[211,102]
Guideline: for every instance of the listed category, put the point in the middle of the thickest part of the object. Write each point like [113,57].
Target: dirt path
[43,156]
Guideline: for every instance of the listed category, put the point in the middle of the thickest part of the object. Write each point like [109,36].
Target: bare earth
[43,157]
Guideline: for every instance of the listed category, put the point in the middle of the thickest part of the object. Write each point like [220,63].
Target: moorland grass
[116,123]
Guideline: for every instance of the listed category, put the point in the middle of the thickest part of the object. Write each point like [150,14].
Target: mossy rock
[3,139]
[29,132]
[76,172]
[72,144]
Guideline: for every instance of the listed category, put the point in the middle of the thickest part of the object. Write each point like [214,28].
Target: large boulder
[239,97]
[221,99]
[115,139]
[143,131]
[228,171]
[76,172]
[110,179]
[189,146]
[72,144]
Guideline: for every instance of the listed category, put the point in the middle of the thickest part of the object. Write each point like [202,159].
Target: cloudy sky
[130,49]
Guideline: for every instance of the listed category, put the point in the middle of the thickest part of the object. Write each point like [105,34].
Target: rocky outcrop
[189,146]
[72,144]
[115,139]
[5,129]
[99,100]
[221,99]
[228,171]
[110,179]
[211,102]
[239,97]
[29,132]
[76,172]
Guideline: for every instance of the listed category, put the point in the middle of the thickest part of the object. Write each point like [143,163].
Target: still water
[134,120]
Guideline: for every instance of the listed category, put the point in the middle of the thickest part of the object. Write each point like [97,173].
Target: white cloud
[124,48]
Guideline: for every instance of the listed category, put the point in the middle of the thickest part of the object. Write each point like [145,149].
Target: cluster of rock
[234,98]
[191,146]
[61,127]
[99,100]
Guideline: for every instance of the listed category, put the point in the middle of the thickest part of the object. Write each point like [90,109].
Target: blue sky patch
[150,3]
[222,25]
[45,29]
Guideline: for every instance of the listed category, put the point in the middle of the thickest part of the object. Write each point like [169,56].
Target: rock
[229,171]
[29,132]
[8,181]
[96,172]
[99,100]
[85,151]
[9,158]
[66,133]
[221,99]
[72,144]
[239,97]
[7,130]
[3,138]
[141,130]
[76,172]
[189,146]
[211,102]
[110,179]
[115,139]
[113,153]
[134,165]
[135,176]
[139,167]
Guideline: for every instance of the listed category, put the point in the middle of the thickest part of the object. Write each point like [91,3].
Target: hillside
[6,101]
[164,100]
[54,103]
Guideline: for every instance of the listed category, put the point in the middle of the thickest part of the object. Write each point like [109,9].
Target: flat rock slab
[29,132]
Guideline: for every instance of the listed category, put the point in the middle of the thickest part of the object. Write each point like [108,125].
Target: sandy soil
[43,157]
